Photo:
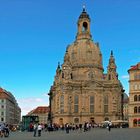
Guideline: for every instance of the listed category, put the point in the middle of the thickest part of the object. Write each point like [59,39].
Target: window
[85,27]
[135,109]
[91,104]
[106,104]
[2,106]
[135,98]
[62,104]
[2,119]
[76,102]
[62,75]
[139,109]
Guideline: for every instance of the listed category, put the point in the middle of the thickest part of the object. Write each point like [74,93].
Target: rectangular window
[75,108]
[91,108]
[106,104]
[76,104]
[2,113]
[91,104]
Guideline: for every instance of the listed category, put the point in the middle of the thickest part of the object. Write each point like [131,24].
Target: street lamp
[50,107]
[122,102]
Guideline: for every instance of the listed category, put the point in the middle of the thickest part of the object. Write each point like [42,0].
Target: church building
[81,91]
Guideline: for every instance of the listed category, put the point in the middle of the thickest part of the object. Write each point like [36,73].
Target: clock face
[64,68]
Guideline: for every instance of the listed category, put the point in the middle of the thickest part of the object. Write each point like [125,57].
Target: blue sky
[34,35]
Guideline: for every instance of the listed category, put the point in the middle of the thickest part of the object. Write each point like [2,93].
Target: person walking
[109,126]
[67,128]
[35,129]
[39,130]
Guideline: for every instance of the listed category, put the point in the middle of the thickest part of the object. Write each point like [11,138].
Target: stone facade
[125,108]
[81,91]
[10,112]
[134,96]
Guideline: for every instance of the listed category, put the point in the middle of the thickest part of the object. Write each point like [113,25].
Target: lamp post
[50,107]
[122,102]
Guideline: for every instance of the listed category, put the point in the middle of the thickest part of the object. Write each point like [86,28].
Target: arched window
[135,109]
[135,98]
[85,27]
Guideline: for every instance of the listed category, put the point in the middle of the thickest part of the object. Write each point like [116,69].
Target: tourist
[35,129]
[39,128]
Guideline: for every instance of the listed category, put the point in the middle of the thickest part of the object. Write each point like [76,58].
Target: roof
[39,110]
[135,67]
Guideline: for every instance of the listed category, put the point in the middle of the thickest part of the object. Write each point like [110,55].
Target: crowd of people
[37,128]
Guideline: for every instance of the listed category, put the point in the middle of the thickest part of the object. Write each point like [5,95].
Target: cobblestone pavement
[94,134]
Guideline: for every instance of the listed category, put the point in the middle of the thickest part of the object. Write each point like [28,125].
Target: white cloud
[28,104]
[125,77]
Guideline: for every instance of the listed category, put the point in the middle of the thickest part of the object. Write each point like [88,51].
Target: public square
[94,134]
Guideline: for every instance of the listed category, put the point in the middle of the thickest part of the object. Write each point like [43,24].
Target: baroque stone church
[81,91]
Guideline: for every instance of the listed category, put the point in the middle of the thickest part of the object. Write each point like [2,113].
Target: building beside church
[41,112]
[125,107]
[10,112]
[134,96]
[81,91]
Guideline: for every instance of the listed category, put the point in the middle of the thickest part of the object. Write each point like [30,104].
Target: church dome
[84,55]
